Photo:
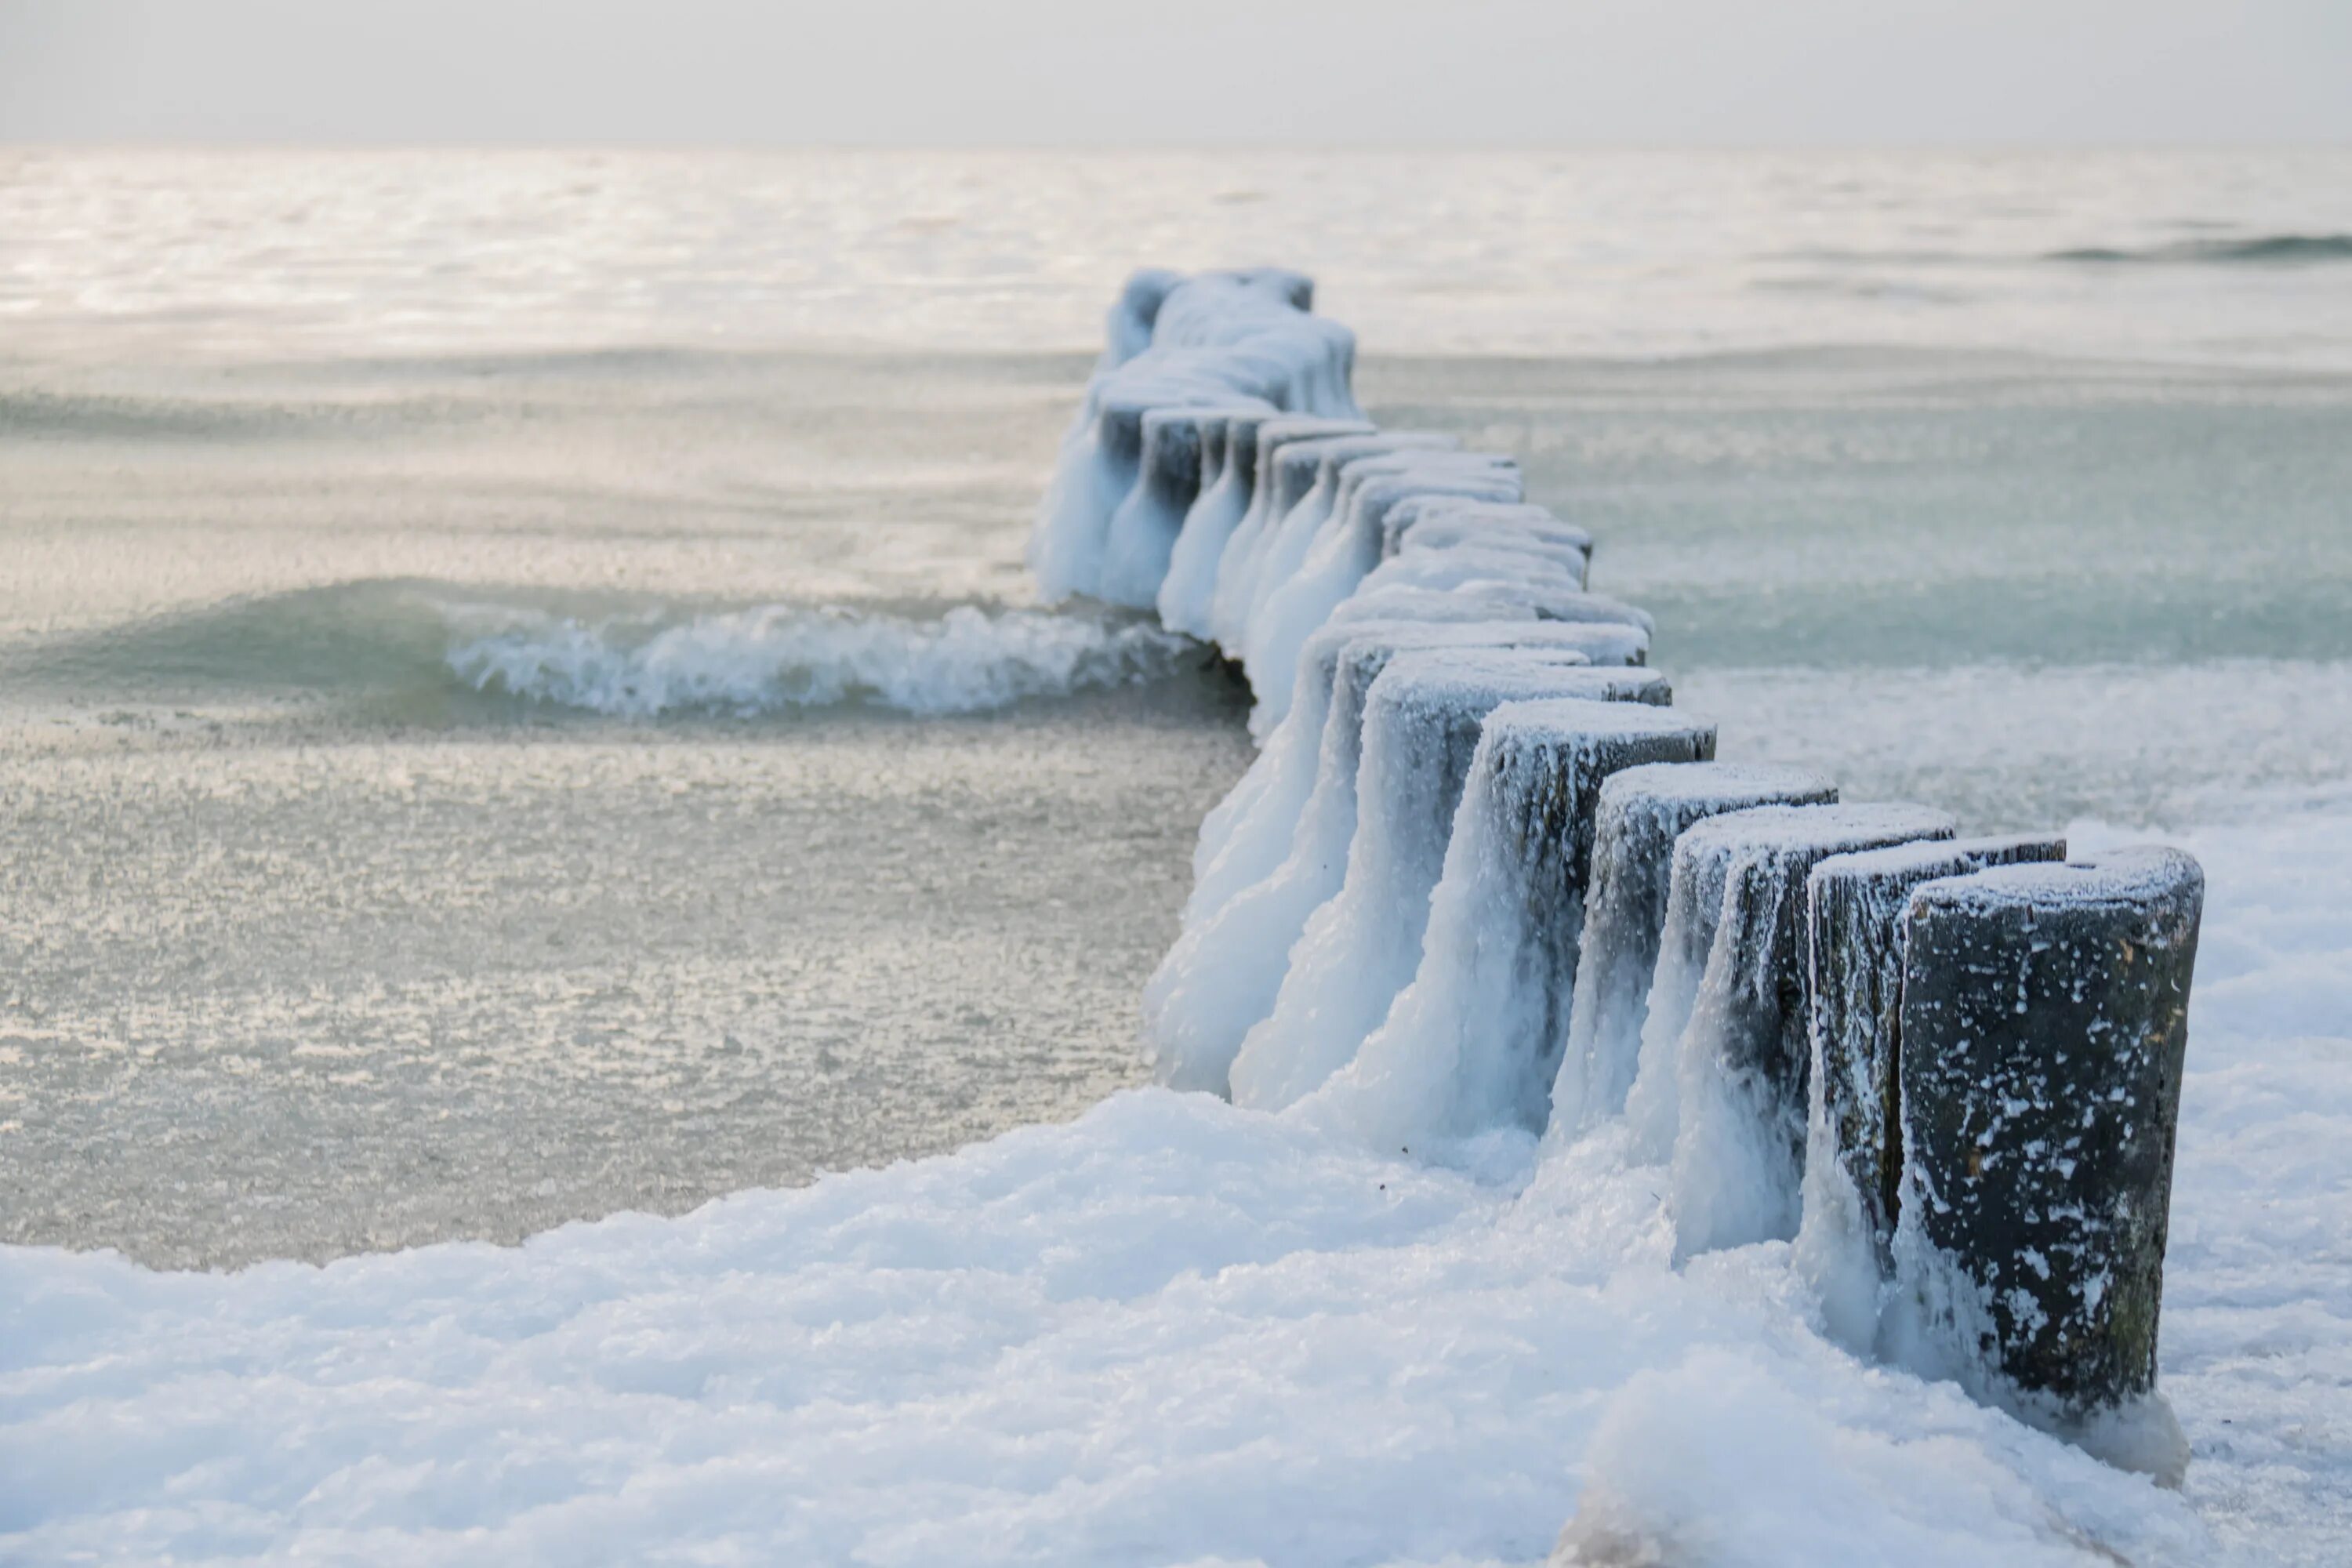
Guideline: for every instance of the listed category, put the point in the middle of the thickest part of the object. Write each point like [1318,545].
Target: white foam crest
[779,657]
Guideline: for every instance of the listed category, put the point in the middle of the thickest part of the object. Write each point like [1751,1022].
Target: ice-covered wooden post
[1855,904]
[2045,1018]
[1642,812]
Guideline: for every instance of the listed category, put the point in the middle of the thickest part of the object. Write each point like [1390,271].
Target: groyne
[1483,878]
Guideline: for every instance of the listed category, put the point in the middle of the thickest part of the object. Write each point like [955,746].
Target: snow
[1176,1332]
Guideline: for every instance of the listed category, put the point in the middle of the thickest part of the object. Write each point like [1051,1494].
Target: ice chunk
[1278,487]
[1475,1042]
[1742,1060]
[2043,1026]
[1226,967]
[1216,340]
[1853,1144]
[1642,811]
[1420,725]
[1345,548]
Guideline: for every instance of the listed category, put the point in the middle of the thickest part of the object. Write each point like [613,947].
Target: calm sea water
[519,696]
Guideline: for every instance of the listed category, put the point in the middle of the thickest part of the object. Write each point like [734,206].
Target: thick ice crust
[1734,1116]
[1214,340]
[1855,907]
[2043,1024]
[1228,965]
[1455,517]
[1473,1043]
[1640,813]
[1420,725]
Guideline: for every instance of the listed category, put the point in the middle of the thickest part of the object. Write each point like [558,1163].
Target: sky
[1322,72]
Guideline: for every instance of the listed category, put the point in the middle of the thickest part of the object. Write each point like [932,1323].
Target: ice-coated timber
[1949,1069]
[1473,1041]
[1214,339]
[1853,1146]
[1280,485]
[2045,1018]
[1451,519]
[1247,834]
[1745,1057]
[1421,719]
[1228,479]
[1642,812]
[1226,968]
[1345,547]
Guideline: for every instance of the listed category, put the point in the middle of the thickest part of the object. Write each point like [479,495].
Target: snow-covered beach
[1171,1331]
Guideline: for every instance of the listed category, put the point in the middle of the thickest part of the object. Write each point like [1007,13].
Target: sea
[521,698]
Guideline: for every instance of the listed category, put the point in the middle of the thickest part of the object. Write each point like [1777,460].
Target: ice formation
[1742,1060]
[1421,724]
[1473,1043]
[1344,547]
[1437,520]
[1228,481]
[1227,966]
[2044,1014]
[1642,812]
[1247,834]
[1853,1129]
[1289,461]
[1455,900]
[1214,339]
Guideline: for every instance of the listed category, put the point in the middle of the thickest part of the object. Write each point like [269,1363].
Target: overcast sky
[965,72]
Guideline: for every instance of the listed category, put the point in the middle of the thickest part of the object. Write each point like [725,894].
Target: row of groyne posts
[1484,881]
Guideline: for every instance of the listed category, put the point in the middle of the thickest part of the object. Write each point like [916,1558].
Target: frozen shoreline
[1172,1331]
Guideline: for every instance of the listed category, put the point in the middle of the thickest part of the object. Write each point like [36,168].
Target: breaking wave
[777,657]
[2266,248]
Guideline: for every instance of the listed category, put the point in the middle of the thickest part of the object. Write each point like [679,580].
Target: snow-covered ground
[1174,1332]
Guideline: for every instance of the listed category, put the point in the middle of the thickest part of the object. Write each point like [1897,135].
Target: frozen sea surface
[1172,1332]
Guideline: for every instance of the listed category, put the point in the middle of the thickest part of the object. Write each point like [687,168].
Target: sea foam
[779,657]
